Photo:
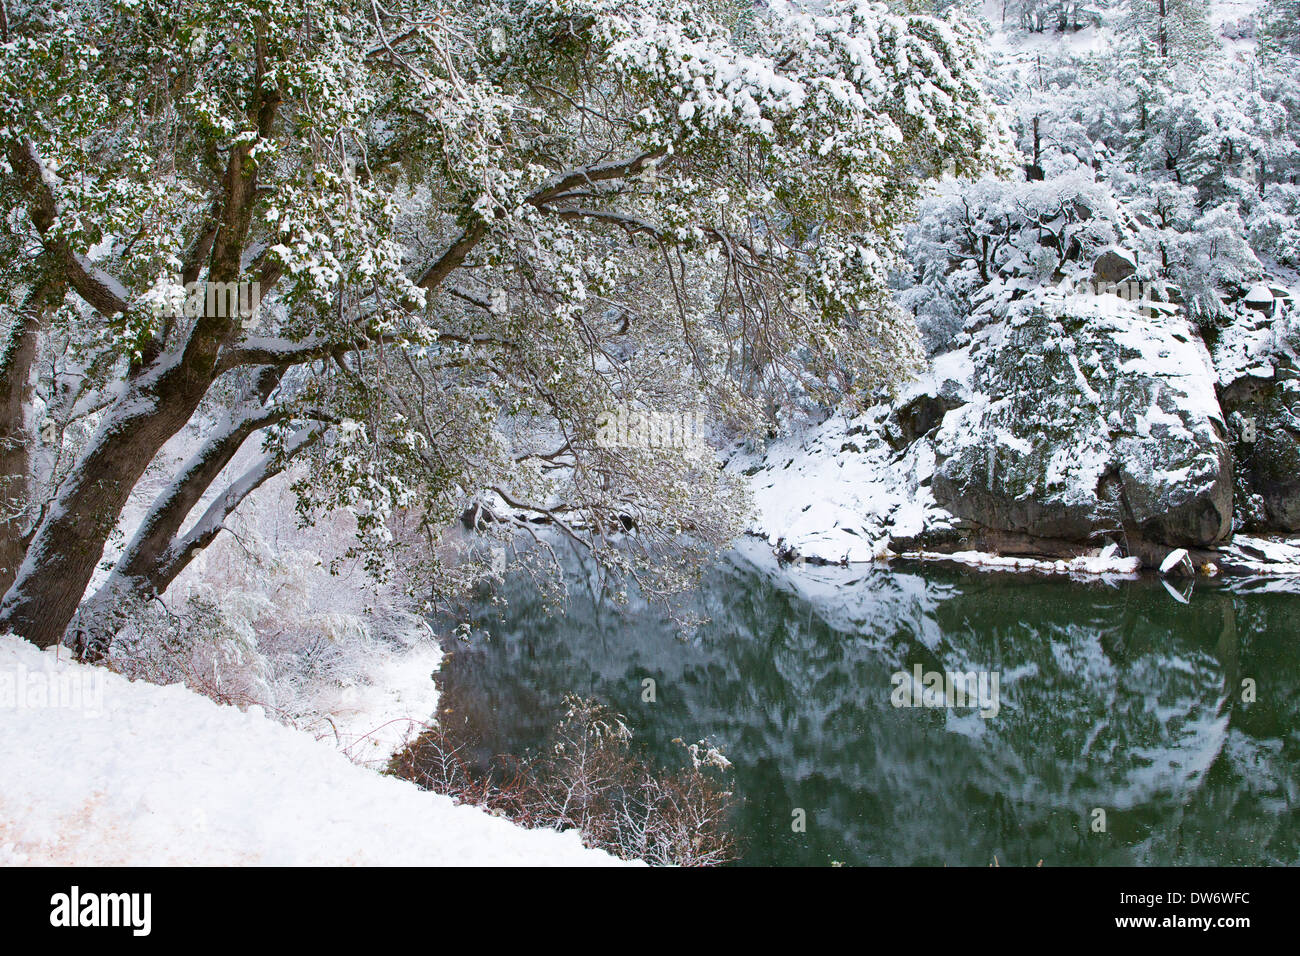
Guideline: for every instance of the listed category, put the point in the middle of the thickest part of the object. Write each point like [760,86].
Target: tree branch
[103,292]
[457,252]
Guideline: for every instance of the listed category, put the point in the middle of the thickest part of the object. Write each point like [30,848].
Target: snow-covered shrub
[1039,16]
[266,617]
[1273,227]
[989,240]
[1218,137]
[1204,254]
[1280,26]
[588,778]
[1174,30]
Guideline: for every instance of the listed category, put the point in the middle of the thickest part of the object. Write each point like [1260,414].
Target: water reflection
[1112,696]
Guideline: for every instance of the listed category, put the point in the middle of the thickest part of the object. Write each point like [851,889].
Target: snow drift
[99,770]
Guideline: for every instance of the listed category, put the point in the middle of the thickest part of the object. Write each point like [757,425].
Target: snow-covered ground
[836,493]
[98,770]
[372,722]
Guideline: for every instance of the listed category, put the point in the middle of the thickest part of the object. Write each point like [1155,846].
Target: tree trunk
[69,543]
[157,403]
[170,509]
[159,553]
[15,435]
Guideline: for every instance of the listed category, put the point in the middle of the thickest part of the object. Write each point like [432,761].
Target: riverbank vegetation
[589,778]
[472,229]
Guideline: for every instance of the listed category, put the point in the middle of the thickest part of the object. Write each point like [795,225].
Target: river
[1129,728]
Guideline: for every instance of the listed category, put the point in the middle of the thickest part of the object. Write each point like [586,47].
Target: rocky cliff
[1069,427]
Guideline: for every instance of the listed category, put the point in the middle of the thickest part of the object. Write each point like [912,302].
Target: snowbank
[1265,556]
[372,722]
[838,492]
[97,770]
[1105,564]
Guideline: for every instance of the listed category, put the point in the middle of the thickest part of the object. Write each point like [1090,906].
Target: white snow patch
[1101,564]
[1174,559]
[1265,556]
[372,722]
[838,493]
[163,776]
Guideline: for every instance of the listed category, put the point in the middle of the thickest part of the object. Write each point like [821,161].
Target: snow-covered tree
[986,242]
[476,226]
[1221,139]
[1174,29]
[1280,27]
[1038,16]
[1202,253]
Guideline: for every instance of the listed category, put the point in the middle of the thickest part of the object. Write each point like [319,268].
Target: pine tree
[1280,27]
[1174,29]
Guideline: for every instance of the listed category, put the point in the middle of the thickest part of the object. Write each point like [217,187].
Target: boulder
[1266,420]
[1114,265]
[1259,389]
[1085,419]
[917,415]
[1259,298]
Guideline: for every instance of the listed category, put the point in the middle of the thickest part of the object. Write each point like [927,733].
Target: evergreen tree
[1174,29]
[1280,27]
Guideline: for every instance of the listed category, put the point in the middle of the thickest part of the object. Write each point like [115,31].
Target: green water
[1115,697]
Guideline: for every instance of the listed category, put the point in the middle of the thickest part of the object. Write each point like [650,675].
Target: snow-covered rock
[98,770]
[1089,417]
[1177,561]
[852,488]
[1259,384]
[1052,430]
[1114,265]
[1259,298]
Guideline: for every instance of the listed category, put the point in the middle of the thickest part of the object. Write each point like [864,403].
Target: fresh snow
[1174,559]
[1102,564]
[1264,555]
[838,493]
[1248,347]
[140,774]
[371,722]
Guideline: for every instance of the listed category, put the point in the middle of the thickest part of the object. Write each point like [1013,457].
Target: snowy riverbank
[99,770]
